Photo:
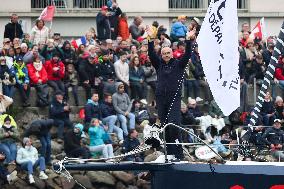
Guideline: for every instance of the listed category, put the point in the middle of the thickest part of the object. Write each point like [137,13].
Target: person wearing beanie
[27,158]
[8,137]
[59,111]
[55,73]
[73,143]
[41,129]
[22,80]
[107,73]
[274,138]
[122,105]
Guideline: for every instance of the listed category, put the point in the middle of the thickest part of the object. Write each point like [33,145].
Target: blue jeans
[28,166]
[8,90]
[123,121]
[60,123]
[110,121]
[273,88]
[45,150]
[268,121]
[10,150]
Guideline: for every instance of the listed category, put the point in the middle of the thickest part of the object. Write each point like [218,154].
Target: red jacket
[123,30]
[33,76]
[178,53]
[279,74]
[54,75]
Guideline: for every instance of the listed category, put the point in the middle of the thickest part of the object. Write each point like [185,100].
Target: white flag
[218,48]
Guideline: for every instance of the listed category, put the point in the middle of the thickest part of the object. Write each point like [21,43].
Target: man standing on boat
[170,73]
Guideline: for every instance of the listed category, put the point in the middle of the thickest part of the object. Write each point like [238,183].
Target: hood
[90,101]
[117,85]
[64,44]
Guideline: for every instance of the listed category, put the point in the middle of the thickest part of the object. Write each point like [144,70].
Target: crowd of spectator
[116,73]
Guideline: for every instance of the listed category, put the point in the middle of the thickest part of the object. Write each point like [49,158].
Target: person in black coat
[107,73]
[115,12]
[130,143]
[74,143]
[87,72]
[13,29]
[41,128]
[169,85]
[268,110]
[69,53]
[59,112]
[103,24]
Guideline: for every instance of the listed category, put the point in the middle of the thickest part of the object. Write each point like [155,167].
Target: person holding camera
[55,72]
[59,111]
[7,76]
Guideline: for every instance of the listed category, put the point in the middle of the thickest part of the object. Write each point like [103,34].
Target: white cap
[24,45]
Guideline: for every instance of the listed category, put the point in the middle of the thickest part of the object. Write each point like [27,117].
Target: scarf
[20,74]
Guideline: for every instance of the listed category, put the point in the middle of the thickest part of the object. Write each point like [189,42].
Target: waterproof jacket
[54,75]
[56,110]
[92,110]
[123,30]
[37,75]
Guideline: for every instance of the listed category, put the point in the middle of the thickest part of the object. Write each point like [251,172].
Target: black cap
[59,93]
[19,59]
[55,53]
[104,52]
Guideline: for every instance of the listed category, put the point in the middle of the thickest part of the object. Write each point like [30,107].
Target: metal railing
[44,3]
[68,4]
[198,4]
[89,3]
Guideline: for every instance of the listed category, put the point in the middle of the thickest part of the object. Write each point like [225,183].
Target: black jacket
[69,54]
[266,56]
[56,110]
[39,127]
[107,71]
[171,73]
[71,141]
[273,136]
[88,71]
[107,109]
[267,108]
[92,111]
[13,30]
[113,19]
[129,144]
[103,27]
